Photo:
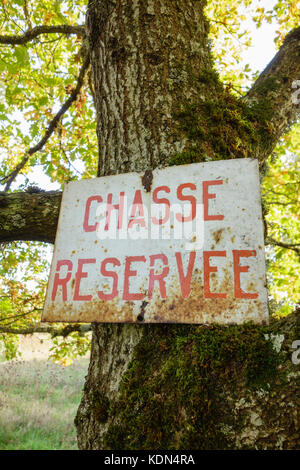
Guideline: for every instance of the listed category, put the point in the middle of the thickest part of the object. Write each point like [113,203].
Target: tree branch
[51,128]
[290,246]
[14,317]
[278,203]
[38,30]
[29,216]
[31,329]
[273,91]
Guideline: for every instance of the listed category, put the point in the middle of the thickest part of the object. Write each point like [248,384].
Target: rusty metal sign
[183,244]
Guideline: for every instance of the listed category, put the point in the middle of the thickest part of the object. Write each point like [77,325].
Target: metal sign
[183,244]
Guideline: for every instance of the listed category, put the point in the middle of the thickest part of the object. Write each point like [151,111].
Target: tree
[159,101]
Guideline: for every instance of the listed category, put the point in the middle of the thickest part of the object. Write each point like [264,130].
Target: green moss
[177,384]
[100,406]
[209,77]
[218,125]
[193,155]
[267,85]
[297,328]
[116,437]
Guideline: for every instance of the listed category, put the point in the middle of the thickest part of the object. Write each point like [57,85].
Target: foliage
[23,275]
[231,23]
[38,77]
[281,189]
[66,349]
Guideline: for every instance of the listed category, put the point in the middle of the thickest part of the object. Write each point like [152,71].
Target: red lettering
[185,280]
[211,269]
[80,275]
[161,201]
[113,275]
[206,196]
[238,292]
[158,277]
[137,206]
[119,207]
[62,282]
[129,273]
[86,226]
[191,199]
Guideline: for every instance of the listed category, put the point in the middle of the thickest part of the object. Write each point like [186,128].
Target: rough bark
[145,57]
[29,216]
[274,90]
[159,102]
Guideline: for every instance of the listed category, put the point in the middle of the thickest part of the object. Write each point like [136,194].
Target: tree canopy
[48,137]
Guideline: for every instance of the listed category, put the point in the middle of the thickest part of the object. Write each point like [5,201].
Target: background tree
[149,69]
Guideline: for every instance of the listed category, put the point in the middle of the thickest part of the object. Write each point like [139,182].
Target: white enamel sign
[183,244]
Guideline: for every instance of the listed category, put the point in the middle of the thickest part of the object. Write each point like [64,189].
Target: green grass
[38,403]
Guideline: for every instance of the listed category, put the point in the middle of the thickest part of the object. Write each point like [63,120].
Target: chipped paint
[144,280]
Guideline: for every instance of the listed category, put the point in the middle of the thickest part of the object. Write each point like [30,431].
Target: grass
[38,403]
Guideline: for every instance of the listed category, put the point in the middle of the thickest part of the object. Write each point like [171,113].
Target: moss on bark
[220,126]
[215,387]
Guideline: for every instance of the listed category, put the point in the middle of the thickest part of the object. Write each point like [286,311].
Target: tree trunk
[159,102]
[32,215]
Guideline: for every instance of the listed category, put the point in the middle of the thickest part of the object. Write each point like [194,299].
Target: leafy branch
[290,246]
[8,179]
[64,331]
[38,30]
[14,317]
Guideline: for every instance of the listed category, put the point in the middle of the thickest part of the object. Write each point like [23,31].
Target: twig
[282,203]
[31,329]
[290,246]
[16,316]
[51,128]
[38,30]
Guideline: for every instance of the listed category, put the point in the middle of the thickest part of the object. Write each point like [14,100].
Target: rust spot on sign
[217,235]
[147,180]
[198,309]
[95,309]
[142,312]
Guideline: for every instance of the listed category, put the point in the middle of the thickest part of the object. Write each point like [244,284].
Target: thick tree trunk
[145,58]
[159,102]
[32,215]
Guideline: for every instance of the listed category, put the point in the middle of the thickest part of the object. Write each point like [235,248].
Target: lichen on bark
[29,215]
